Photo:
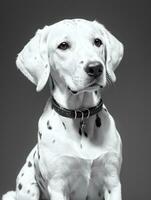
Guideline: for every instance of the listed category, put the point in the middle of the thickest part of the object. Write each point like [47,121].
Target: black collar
[78,113]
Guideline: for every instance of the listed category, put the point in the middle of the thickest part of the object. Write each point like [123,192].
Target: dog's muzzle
[94,69]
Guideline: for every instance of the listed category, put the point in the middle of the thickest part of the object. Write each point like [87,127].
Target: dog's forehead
[73,23]
[73,26]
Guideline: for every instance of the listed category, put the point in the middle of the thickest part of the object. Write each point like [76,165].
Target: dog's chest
[81,178]
[60,136]
[80,162]
[63,136]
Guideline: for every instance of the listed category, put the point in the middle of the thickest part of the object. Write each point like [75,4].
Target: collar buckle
[83,113]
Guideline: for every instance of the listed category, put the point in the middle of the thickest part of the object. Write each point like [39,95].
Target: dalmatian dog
[79,151]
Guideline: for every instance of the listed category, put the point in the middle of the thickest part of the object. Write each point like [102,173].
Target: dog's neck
[72,101]
[68,100]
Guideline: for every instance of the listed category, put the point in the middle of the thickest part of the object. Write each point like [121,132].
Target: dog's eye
[97,42]
[63,46]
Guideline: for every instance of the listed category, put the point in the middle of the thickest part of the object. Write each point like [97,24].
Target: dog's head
[77,52]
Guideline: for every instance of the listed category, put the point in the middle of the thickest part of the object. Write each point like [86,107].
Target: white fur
[66,164]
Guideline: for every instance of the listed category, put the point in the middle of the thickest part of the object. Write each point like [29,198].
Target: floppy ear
[33,59]
[114,51]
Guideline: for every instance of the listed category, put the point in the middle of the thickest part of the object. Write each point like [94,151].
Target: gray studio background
[128,99]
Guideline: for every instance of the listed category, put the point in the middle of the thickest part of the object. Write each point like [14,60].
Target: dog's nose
[94,69]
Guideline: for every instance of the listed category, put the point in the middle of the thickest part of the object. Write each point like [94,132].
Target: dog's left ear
[33,59]
[114,51]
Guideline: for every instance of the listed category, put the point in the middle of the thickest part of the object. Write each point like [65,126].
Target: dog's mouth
[89,88]
[94,86]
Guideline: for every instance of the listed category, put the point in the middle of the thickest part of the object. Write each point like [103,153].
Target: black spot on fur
[105,109]
[34,183]
[38,152]
[34,154]
[48,125]
[109,191]
[53,141]
[20,186]
[38,155]
[22,174]
[96,92]
[98,121]
[28,191]
[80,131]
[64,125]
[86,135]
[81,62]
[40,135]
[29,164]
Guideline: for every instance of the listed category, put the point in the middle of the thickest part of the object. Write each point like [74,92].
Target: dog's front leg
[26,184]
[58,191]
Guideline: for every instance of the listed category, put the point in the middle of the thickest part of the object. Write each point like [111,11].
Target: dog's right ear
[33,59]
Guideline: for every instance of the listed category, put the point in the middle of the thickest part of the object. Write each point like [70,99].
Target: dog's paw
[11,195]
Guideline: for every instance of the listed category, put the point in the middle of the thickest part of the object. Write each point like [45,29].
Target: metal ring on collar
[82,113]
